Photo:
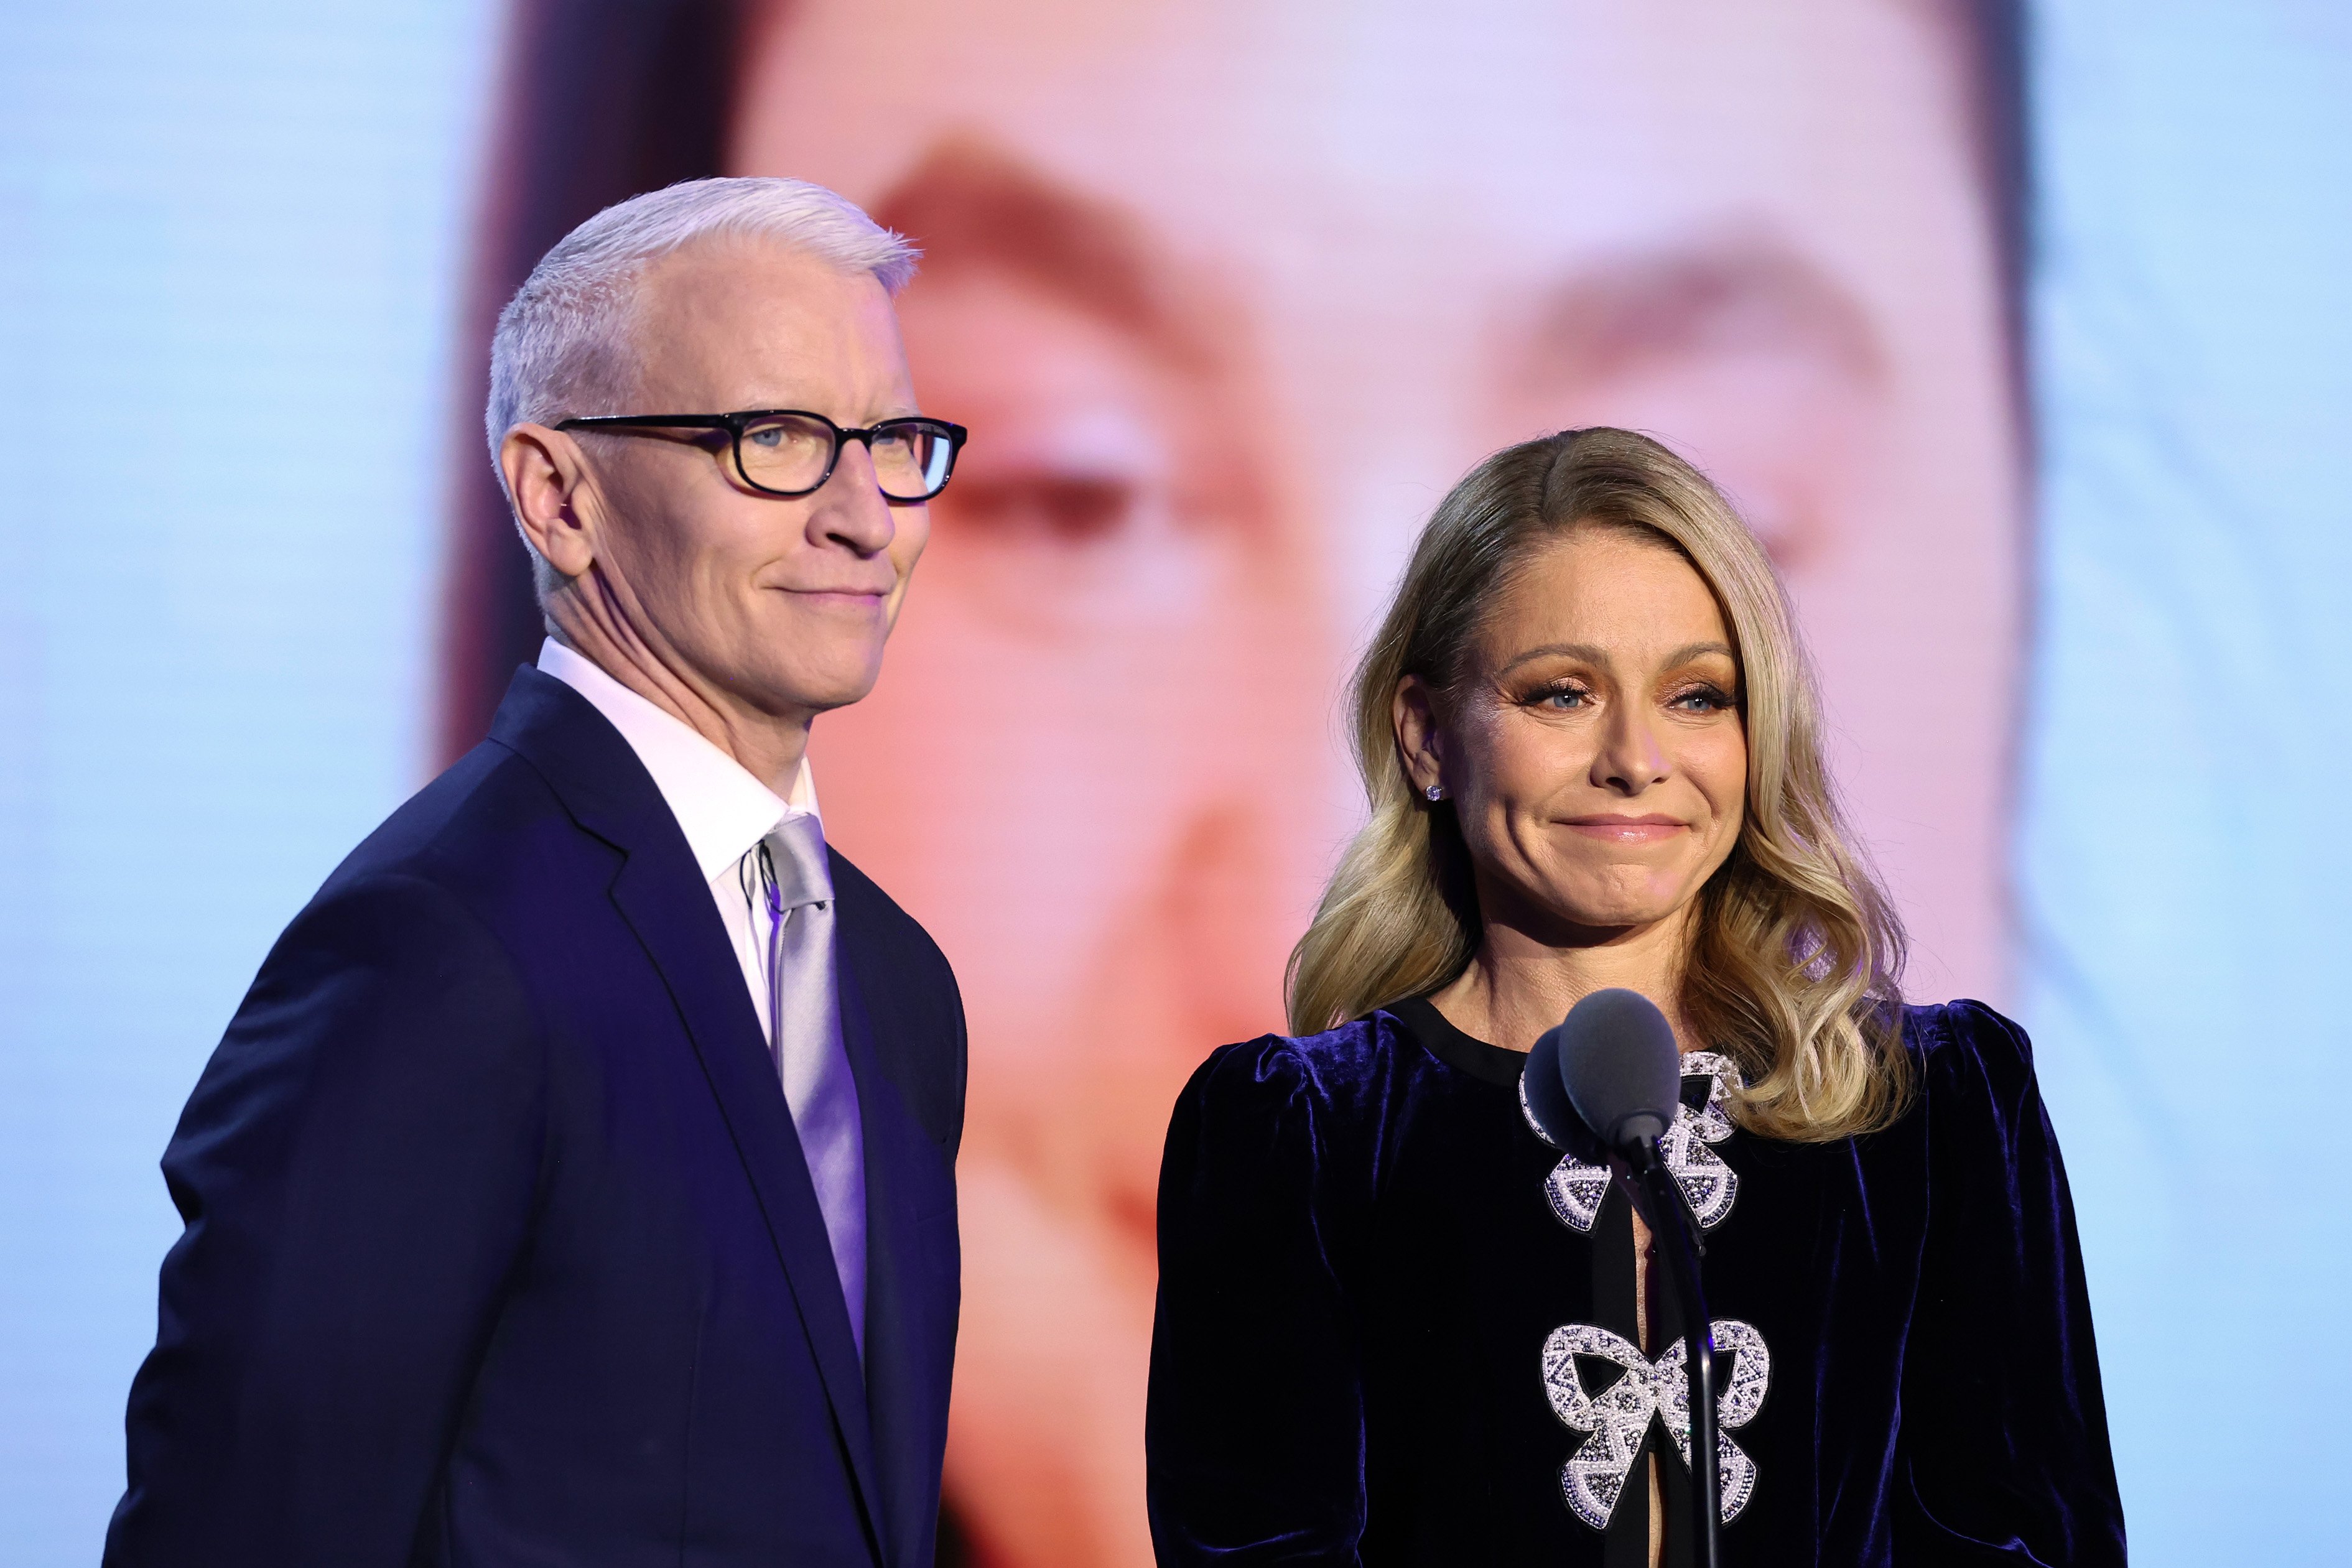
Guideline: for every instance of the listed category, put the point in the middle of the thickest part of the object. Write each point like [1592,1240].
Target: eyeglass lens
[791,453]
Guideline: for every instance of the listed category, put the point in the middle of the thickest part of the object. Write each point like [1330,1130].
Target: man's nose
[850,506]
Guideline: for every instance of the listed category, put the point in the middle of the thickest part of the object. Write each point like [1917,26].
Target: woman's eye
[1704,699]
[1563,699]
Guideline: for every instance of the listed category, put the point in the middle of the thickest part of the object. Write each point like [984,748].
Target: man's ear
[1413,711]
[544,473]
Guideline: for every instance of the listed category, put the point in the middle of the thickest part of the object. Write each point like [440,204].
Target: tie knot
[797,846]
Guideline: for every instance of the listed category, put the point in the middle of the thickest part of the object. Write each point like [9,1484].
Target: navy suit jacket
[499,1245]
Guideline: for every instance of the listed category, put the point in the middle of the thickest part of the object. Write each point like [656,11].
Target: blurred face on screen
[1230,292]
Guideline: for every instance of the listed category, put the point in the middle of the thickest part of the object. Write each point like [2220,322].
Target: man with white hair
[576,1182]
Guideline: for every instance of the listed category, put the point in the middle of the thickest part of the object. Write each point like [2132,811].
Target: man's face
[782,604]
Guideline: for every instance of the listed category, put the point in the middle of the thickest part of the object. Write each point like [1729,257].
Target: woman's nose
[1630,759]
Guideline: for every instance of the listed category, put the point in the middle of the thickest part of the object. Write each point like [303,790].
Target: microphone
[1620,1067]
[1611,1072]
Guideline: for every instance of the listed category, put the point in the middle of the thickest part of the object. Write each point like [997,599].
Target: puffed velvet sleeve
[2003,1442]
[356,1171]
[1254,1430]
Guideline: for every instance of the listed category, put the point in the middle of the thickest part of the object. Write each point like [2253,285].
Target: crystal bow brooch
[1708,1185]
[1618,1414]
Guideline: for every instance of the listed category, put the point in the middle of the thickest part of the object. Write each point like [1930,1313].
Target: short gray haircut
[562,341]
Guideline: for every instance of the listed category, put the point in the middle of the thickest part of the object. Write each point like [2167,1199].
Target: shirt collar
[722,809]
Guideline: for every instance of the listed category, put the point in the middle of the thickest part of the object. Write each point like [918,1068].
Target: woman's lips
[1628,829]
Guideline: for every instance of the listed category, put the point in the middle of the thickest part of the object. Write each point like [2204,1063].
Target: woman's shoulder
[1335,1065]
[1965,1050]
[1356,1075]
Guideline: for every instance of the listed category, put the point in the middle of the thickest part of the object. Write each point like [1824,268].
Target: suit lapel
[884,1306]
[662,897]
[697,966]
[907,1179]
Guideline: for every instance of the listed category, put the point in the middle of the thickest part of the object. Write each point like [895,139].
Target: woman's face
[1594,750]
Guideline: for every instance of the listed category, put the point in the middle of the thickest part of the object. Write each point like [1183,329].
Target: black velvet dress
[1395,1326]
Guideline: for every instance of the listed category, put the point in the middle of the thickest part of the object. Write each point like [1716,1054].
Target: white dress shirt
[724,812]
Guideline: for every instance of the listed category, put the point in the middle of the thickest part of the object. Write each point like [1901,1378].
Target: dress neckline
[1488,1063]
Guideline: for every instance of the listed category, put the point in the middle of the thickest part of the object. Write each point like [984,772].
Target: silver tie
[804,1037]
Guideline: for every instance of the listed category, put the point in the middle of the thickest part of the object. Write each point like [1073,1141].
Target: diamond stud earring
[1435,792]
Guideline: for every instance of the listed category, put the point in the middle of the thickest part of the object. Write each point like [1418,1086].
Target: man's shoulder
[487,828]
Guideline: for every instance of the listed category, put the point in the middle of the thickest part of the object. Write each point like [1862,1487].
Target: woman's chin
[1614,914]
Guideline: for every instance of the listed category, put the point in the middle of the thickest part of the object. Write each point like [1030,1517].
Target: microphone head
[1619,1065]
[1545,1094]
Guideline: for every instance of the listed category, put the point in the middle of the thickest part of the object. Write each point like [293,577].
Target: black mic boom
[1612,1071]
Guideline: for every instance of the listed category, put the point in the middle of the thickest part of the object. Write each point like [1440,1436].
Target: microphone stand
[1669,1222]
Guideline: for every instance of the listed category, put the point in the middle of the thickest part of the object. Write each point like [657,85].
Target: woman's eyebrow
[1594,655]
[1690,651]
[1585,651]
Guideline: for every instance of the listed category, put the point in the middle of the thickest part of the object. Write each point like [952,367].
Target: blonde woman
[1397,1327]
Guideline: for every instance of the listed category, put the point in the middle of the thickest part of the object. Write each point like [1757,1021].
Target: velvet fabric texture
[1360,1266]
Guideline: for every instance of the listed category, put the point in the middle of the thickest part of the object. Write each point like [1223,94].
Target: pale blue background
[229,241]
[229,237]
[2185,859]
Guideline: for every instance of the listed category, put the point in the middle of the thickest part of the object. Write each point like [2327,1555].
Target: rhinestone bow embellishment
[1618,1415]
[1708,1185]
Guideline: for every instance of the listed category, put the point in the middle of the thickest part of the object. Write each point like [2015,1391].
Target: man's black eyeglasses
[791,451]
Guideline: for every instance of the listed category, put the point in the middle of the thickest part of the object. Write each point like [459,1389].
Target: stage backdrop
[2025,339]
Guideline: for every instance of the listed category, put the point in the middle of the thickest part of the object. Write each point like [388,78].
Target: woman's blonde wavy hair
[1793,969]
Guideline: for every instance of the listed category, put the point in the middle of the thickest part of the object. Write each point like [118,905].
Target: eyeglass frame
[734,424]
